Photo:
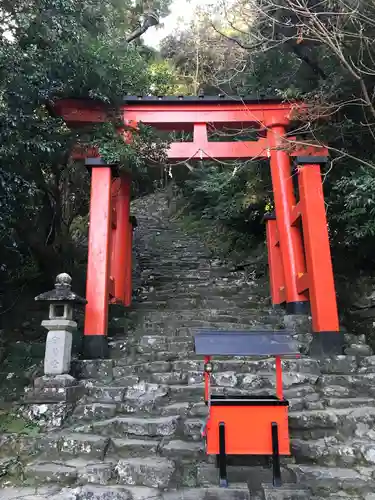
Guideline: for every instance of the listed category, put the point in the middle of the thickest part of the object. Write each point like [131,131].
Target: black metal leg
[222,457]
[275,455]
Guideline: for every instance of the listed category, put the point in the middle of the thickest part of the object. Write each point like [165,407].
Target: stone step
[349,386]
[348,402]
[84,414]
[130,448]
[334,480]
[180,329]
[154,472]
[197,304]
[186,393]
[55,446]
[232,291]
[329,452]
[179,316]
[132,357]
[196,315]
[141,472]
[252,474]
[121,427]
[181,262]
[245,365]
[71,446]
[285,492]
[246,381]
[50,492]
[134,393]
[196,278]
[53,472]
[343,422]
[233,492]
[229,290]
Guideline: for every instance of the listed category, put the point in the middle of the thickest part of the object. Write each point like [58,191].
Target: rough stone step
[181,329]
[134,393]
[285,492]
[338,365]
[80,472]
[174,277]
[329,452]
[220,364]
[132,426]
[348,402]
[334,480]
[177,329]
[162,341]
[233,492]
[232,292]
[254,475]
[246,381]
[179,317]
[51,472]
[181,262]
[86,412]
[151,472]
[54,446]
[131,448]
[50,492]
[197,304]
[344,422]
[186,393]
[133,357]
[92,411]
[243,291]
[350,386]
[183,315]
[192,279]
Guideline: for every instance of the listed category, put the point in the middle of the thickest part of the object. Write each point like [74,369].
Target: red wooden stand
[246,424]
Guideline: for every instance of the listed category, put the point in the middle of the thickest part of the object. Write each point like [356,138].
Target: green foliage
[332,70]
[164,78]
[234,198]
[11,423]
[51,49]
[353,208]
[145,148]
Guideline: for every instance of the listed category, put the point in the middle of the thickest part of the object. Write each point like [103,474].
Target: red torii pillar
[300,264]
[318,278]
[109,257]
[289,236]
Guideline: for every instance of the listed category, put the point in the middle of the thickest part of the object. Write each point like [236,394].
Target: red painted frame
[297,273]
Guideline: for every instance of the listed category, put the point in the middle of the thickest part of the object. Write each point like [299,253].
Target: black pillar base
[302,307]
[95,347]
[327,344]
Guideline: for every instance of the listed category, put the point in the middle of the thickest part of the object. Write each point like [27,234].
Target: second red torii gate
[299,260]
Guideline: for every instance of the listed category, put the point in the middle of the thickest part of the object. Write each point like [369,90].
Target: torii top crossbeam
[198,115]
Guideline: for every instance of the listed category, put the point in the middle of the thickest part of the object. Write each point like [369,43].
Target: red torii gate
[297,236]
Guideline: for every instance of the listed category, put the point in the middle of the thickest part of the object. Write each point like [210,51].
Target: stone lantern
[60,325]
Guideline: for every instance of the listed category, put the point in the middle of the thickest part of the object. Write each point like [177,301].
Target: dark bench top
[242,343]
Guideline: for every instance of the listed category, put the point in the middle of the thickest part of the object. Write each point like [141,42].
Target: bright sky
[181,14]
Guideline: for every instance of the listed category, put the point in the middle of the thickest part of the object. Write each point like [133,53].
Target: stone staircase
[135,434]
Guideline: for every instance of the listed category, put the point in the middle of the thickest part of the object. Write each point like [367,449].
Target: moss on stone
[12,423]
